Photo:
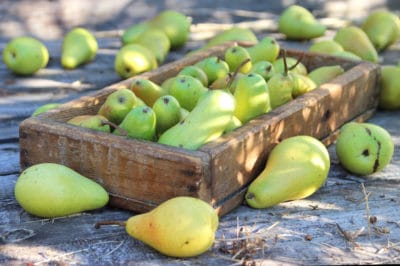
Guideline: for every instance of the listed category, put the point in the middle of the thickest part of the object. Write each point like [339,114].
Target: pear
[263,68]
[296,168]
[347,55]
[168,113]
[298,23]
[117,105]
[235,56]
[265,50]
[252,97]
[364,148]
[79,47]
[96,122]
[180,227]
[25,55]
[355,40]
[227,83]
[214,67]
[132,33]
[44,108]
[166,84]
[293,65]
[232,34]
[324,74]
[133,59]
[382,28]
[54,190]
[326,47]
[187,90]
[206,122]
[157,41]
[389,95]
[146,90]
[139,123]
[195,72]
[301,84]
[176,26]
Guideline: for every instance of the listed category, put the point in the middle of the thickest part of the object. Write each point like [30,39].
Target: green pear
[132,33]
[157,41]
[184,112]
[166,84]
[44,108]
[168,113]
[187,90]
[233,124]
[293,66]
[179,227]
[263,68]
[324,74]
[195,72]
[382,28]
[326,47]
[298,23]
[347,55]
[206,122]
[176,26]
[214,67]
[54,190]
[133,59]
[265,50]
[301,84]
[355,40]
[364,148]
[227,82]
[296,168]
[139,123]
[117,105]
[252,97]
[146,90]
[96,122]
[79,47]
[389,95]
[235,57]
[25,55]
[232,34]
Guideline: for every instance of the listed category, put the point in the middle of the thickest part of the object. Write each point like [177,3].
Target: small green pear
[54,190]
[214,67]
[195,72]
[132,33]
[324,74]
[382,28]
[96,122]
[117,105]
[25,55]
[139,123]
[168,113]
[296,168]
[265,50]
[176,26]
[133,59]
[206,122]
[180,227]
[79,47]
[157,41]
[347,55]
[389,95]
[355,40]
[187,90]
[146,90]
[326,47]
[301,84]
[235,56]
[232,34]
[364,148]
[44,108]
[252,97]
[298,23]
[263,68]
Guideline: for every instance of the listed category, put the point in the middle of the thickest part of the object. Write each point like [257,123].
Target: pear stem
[231,78]
[115,126]
[99,224]
[297,62]
[285,63]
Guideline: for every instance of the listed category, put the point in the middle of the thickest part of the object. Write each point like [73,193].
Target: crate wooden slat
[140,174]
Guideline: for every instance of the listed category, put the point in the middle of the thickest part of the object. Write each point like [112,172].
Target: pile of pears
[209,98]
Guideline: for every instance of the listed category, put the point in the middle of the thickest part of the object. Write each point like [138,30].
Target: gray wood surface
[330,227]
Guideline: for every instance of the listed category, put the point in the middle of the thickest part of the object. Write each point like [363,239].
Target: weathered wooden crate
[141,174]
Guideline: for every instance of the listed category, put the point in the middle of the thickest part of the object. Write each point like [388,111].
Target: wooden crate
[139,175]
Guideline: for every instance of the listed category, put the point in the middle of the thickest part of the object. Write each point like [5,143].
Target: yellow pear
[324,74]
[179,227]
[296,168]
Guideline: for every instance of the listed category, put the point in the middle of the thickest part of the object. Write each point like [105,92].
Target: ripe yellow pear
[296,168]
[79,47]
[54,190]
[179,227]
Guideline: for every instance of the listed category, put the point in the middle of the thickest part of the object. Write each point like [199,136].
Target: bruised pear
[296,168]
[54,190]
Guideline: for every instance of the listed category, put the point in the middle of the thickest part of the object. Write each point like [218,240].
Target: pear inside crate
[140,174]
